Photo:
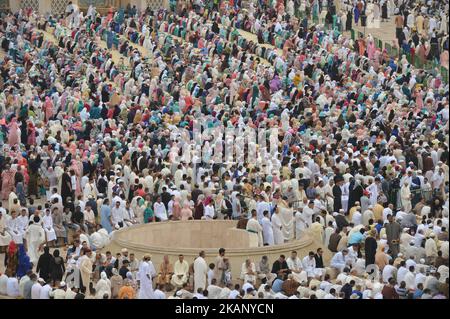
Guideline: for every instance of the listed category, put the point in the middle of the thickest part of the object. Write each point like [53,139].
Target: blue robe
[109,39]
[105,215]
[24,262]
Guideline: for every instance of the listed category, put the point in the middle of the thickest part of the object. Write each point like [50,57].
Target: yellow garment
[352,211]
[377,212]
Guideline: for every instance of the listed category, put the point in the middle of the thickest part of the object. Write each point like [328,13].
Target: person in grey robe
[393,231]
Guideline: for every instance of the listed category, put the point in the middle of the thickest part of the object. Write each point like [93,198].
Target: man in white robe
[248,271]
[45,291]
[214,291]
[5,237]
[36,289]
[85,267]
[309,265]
[277,227]
[286,215]
[254,227]
[48,226]
[267,230]
[261,207]
[35,238]
[373,190]
[308,213]
[90,190]
[300,224]
[145,275]
[200,271]
[295,266]
[13,228]
[180,272]
[23,221]
[405,196]
[12,287]
[339,260]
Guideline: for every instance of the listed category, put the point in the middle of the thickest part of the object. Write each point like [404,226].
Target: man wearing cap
[146,274]
[59,293]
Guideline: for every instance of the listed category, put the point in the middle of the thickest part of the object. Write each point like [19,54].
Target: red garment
[12,248]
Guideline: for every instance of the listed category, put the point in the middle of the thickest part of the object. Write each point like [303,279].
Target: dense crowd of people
[117,120]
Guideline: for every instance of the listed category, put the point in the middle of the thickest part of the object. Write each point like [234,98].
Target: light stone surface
[190,237]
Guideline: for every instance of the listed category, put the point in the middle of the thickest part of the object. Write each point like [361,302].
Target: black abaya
[355,194]
[337,193]
[348,23]
[44,266]
[370,249]
[66,190]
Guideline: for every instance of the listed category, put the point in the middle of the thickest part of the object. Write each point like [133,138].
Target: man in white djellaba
[200,271]
[300,225]
[13,228]
[146,274]
[267,230]
[48,226]
[295,266]
[277,228]
[35,238]
[253,226]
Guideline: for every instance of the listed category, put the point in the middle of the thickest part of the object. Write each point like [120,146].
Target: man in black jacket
[280,266]
[319,259]
[165,197]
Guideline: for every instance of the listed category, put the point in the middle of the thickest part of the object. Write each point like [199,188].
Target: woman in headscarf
[355,193]
[48,107]
[7,182]
[57,267]
[371,48]
[139,209]
[11,259]
[176,209]
[186,211]
[13,132]
[31,130]
[116,282]
[199,207]
[349,21]
[45,264]
[103,286]
[24,262]
[149,215]
[381,258]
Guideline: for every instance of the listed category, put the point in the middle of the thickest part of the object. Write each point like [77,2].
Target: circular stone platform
[190,237]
